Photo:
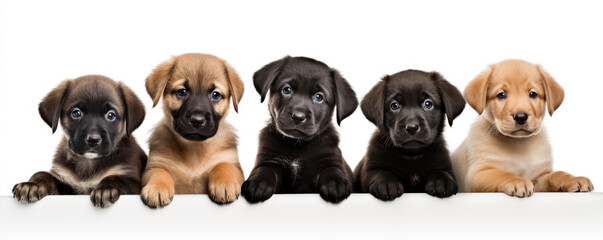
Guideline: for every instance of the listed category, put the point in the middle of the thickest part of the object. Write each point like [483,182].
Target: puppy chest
[190,180]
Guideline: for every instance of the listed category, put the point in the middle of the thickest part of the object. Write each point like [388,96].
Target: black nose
[298,117]
[412,129]
[93,140]
[197,120]
[520,118]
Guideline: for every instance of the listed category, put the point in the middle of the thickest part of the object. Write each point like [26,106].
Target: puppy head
[303,95]
[410,107]
[95,113]
[196,90]
[513,94]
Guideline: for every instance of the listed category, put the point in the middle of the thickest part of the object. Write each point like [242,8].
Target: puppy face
[196,89]
[303,95]
[410,107]
[95,113]
[514,94]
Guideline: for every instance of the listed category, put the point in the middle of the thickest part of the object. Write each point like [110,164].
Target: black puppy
[407,153]
[299,150]
[97,156]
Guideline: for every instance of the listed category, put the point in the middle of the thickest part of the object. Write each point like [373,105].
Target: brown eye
[533,94]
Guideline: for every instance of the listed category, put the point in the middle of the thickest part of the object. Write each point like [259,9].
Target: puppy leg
[440,184]
[39,186]
[262,183]
[563,182]
[490,179]
[158,190]
[333,185]
[225,181]
[384,185]
[108,190]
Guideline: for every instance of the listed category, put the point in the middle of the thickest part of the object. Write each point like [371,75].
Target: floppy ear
[134,109]
[158,79]
[235,86]
[372,103]
[263,78]
[453,100]
[345,97]
[553,92]
[477,90]
[51,105]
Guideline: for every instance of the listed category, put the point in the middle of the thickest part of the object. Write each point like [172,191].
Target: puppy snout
[412,128]
[520,118]
[198,119]
[298,117]
[93,139]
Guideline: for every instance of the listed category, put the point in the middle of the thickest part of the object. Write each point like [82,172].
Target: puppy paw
[258,190]
[387,190]
[441,187]
[577,184]
[156,195]
[224,192]
[104,196]
[518,187]
[334,189]
[29,192]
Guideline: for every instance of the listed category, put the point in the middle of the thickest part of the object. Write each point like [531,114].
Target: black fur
[407,153]
[299,149]
[94,96]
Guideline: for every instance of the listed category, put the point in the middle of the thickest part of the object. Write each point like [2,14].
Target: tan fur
[496,156]
[180,166]
[85,186]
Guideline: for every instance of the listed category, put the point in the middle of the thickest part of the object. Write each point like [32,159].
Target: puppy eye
[501,95]
[394,106]
[216,95]
[533,94]
[318,97]
[76,113]
[182,92]
[111,116]
[428,104]
[287,90]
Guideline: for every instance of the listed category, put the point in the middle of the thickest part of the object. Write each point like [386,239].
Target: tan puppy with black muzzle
[507,149]
[193,150]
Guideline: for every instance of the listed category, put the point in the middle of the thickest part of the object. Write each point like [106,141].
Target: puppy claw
[387,191]
[519,187]
[577,184]
[224,192]
[104,196]
[335,190]
[441,186]
[256,191]
[29,192]
[157,196]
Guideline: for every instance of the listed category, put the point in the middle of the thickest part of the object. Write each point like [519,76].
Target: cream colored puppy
[507,149]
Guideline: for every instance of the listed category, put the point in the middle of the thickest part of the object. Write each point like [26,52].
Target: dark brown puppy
[98,155]
[407,153]
[299,149]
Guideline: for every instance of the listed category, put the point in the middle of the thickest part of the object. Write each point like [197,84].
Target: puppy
[298,151]
[507,148]
[407,153]
[97,155]
[193,150]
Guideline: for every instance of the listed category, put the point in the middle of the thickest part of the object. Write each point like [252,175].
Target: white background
[45,42]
